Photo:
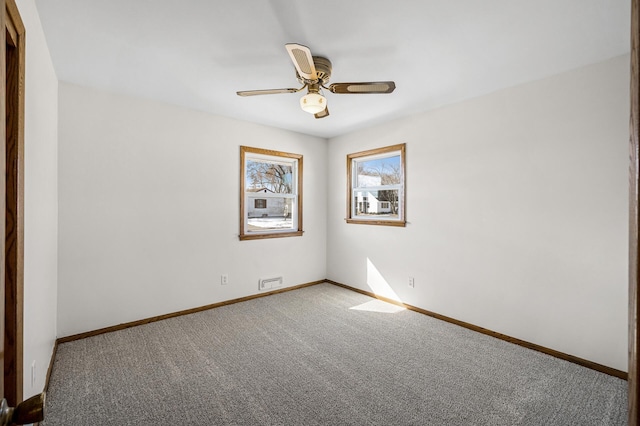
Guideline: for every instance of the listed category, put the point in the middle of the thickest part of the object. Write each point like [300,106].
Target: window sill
[261,236]
[401,223]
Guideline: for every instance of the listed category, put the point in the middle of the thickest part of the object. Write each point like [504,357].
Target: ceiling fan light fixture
[313,103]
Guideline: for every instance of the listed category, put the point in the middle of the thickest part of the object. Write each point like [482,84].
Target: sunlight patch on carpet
[378,306]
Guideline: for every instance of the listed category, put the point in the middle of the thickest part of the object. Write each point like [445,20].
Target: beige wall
[149,210]
[40,202]
[516,209]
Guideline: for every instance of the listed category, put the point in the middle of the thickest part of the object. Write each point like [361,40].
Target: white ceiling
[198,53]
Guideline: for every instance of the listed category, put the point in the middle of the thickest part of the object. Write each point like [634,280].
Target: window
[376,186]
[270,194]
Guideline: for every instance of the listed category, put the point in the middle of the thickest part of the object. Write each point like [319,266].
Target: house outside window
[271,194]
[376,186]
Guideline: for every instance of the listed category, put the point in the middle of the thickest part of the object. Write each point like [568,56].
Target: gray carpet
[305,358]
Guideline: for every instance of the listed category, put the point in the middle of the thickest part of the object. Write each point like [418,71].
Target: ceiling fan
[313,72]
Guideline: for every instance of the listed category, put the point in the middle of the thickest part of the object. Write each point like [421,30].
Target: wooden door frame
[13,68]
[634,228]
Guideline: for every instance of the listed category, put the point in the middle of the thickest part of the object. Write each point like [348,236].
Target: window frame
[352,188]
[296,160]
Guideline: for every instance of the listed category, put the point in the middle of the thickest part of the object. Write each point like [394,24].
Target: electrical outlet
[224,279]
[412,282]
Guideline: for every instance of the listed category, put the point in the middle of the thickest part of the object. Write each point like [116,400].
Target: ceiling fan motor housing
[323,71]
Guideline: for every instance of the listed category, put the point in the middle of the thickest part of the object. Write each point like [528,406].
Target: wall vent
[269,283]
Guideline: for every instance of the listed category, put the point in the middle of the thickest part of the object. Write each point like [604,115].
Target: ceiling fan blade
[369,87]
[267,92]
[322,114]
[302,59]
